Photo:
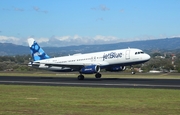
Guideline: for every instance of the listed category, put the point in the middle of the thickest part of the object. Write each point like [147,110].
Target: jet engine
[116,68]
[90,69]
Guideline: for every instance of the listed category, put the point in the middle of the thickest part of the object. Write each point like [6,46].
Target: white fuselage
[105,58]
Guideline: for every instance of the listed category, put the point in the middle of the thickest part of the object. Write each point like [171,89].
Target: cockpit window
[140,52]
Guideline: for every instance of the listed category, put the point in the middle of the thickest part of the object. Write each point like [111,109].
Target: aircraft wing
[73,65]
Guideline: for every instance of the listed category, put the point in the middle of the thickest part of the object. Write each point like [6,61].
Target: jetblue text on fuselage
[112,55]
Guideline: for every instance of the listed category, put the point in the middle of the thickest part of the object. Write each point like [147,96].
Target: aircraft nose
[148,57]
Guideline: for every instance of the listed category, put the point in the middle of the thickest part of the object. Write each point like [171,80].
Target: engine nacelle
[90,69]
[116,68]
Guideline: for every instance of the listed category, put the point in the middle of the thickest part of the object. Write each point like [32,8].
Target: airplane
[89,63]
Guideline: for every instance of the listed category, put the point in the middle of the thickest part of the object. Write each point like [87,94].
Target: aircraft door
[127,54]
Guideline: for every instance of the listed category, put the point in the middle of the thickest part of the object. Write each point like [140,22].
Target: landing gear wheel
[80,77]
[98,75]
[133,72]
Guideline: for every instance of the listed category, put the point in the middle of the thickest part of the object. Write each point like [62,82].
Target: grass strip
[51,100]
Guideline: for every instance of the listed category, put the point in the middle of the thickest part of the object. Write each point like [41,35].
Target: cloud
[18,9]
[122,10]
[93,8]
[6,39]
[99,19]
[45,11]
[13,8]
[105,38]
[61,41]
[101,7]
[6,9]
[41,40]
[79,40]
[37,9]
[64,38]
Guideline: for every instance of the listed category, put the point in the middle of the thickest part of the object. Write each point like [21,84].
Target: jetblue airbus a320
[90,63]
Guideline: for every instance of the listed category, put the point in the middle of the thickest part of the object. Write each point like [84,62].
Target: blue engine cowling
[90,69]
[116,68]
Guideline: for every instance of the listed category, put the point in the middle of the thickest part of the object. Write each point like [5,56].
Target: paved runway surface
[93,82]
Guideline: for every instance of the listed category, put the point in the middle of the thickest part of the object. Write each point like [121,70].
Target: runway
[92,82]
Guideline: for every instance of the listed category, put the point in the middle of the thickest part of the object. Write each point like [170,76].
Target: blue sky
[75,22]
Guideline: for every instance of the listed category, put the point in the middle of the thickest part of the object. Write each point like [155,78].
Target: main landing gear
[98,75]
[81,77]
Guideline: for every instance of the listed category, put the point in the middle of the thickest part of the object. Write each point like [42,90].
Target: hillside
[147,45]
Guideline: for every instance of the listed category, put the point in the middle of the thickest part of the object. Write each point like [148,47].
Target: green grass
[51,100]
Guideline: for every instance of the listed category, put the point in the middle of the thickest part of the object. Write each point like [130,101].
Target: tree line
[20,63]
[15,63]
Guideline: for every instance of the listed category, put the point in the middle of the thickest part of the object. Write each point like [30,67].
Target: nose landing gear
[132,70]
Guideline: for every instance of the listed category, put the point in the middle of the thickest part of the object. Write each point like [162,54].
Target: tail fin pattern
[37,52]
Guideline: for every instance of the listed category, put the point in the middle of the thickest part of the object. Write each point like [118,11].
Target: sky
[81,22]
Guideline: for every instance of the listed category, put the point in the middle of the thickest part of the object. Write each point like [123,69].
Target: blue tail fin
[37,52]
